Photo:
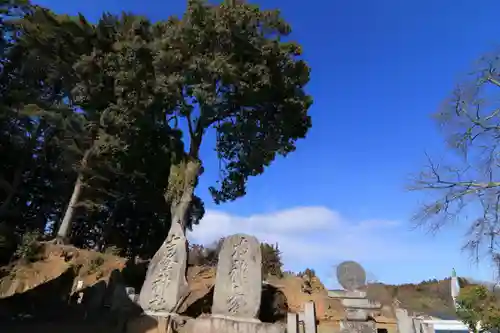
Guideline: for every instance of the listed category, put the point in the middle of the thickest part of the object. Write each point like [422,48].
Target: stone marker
[405,323]
[356,314]
[292,323]
[238,283]
[360,303]
[358,327]
[417,325]
[222,325]
[310,317]
[165,282]
[79,285]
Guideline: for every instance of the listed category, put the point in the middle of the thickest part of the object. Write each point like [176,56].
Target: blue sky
[379,69]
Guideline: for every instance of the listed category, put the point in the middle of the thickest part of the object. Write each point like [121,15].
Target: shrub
[29,247]
[95,263]
[271,260]
[196,255]
[205,256]
[310,273]
[113,250]
[209,256]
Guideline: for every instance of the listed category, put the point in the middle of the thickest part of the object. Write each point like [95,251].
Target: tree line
[101,123]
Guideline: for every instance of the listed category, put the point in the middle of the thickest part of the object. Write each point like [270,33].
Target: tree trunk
[179,206]
[65,227]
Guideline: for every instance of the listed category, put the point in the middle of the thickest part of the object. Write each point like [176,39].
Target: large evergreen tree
[235,75]
[102,124]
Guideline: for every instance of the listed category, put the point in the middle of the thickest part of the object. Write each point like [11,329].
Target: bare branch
[470,119]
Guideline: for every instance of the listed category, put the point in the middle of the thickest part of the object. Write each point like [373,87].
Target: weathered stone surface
[346,294]
[405,322]
[292,323]
[356,314]
[417,325]
[310,317]
[358,327]
[238,283]
[428,328]
[224,325]
[360,303]
[165,282]
[158,324]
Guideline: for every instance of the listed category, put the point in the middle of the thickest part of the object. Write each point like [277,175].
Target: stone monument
[237,291]
[165,282]
[352,277]
[238,283]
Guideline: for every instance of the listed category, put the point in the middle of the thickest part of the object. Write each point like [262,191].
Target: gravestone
[238,283]
[417,325]
[310,317]
[292,323]
[165,282]
[405,322]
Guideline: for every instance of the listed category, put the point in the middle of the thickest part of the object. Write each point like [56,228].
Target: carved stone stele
[238,283]
[165,281]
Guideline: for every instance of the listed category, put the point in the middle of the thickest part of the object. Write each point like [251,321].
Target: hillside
[428,297]
[52,275]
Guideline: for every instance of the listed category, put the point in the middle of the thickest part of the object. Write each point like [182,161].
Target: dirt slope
[52,261]
[279,296]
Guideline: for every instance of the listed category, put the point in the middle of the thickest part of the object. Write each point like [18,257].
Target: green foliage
[122,154]
[92,111]
[208,256]
[29,247]
[95,264]
[310,273]
[241,79]
[200,255]
[113,250]
[271,260]
[476,304]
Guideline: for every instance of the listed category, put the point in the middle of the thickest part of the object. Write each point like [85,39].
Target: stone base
[356,314]
[224,325]
[158,324]
[358,327]
[360,303]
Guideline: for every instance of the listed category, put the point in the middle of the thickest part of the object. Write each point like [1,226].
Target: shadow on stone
[201,305]
[273,305]
[143,324]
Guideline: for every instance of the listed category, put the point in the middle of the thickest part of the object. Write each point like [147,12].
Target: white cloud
[310,236]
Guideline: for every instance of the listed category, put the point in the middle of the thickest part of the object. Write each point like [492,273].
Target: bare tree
[467,187]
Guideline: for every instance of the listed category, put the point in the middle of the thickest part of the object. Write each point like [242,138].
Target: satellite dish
[351,275]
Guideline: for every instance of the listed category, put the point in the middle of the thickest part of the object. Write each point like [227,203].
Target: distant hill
[432,297]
